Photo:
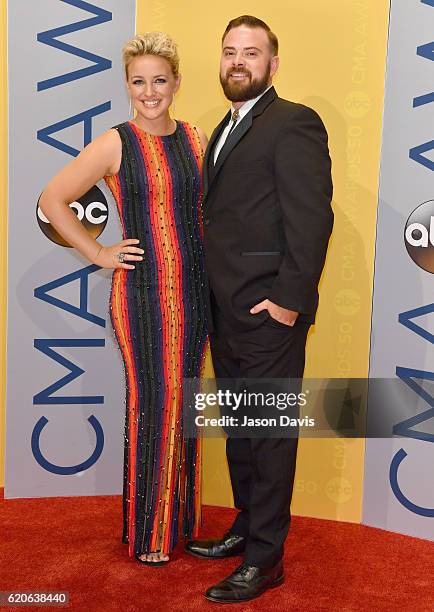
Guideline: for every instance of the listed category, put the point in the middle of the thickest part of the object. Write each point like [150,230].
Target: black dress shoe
[229,546]
[246,582]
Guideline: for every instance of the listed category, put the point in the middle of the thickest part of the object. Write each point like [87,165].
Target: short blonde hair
[152,43]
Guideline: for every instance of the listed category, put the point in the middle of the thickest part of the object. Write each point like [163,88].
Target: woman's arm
[99,158]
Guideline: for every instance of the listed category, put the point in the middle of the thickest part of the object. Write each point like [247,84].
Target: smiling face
[151,86]
[247,63]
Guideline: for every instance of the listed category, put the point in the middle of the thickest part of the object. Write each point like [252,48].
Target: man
[267,221]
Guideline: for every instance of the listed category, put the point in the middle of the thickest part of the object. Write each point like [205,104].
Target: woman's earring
[173,105]
[131,115]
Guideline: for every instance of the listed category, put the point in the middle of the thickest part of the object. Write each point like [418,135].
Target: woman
[152,166]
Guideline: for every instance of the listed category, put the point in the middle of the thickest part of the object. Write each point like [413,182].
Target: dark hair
[253,22]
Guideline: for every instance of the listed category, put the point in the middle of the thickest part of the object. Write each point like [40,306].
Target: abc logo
[419,236]
[91,209]
[339,490]
[347,302]
[357,104]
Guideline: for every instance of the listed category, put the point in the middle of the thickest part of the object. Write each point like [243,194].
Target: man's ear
[274,65]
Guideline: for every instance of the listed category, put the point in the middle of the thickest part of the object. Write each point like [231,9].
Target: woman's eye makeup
[159,81]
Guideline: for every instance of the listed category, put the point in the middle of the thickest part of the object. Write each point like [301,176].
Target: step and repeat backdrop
[65,382]
[399,472]
[65,387]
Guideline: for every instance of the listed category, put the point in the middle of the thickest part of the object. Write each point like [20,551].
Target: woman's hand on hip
[120,255]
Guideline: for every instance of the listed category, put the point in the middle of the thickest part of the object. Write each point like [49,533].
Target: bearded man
[267,221]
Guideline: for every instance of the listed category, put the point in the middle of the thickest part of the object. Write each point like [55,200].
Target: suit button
[206,221]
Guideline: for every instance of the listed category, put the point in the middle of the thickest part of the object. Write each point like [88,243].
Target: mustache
[239,70]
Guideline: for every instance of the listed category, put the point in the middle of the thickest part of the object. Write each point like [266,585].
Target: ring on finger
[121,257]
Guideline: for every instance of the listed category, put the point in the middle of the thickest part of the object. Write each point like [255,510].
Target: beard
[241,92]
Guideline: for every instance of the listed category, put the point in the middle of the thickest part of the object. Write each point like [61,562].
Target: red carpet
[73,544]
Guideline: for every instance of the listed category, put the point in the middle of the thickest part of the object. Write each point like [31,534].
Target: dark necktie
[235,117]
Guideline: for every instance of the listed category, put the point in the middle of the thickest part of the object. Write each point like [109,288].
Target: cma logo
[419,236]
[91,210]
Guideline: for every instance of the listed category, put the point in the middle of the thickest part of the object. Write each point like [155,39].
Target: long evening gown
[158,316]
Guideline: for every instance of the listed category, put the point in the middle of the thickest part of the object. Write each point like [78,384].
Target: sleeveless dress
[158,316]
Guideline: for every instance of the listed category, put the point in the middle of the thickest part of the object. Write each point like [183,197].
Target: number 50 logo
[91,209]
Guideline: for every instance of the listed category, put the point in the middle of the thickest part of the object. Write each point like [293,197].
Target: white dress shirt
[243,110]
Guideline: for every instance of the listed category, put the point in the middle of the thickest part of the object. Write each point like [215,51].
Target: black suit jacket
[267,211]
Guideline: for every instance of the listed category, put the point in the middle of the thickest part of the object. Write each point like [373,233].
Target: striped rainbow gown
[157,312]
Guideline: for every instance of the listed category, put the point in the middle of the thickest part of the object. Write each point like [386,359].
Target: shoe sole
[193,554]
[274,585]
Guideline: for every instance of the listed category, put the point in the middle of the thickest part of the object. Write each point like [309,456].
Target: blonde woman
[152,165]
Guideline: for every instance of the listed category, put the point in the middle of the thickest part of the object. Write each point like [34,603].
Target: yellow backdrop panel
[333,59]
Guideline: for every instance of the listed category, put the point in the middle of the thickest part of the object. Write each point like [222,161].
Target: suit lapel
[233,139]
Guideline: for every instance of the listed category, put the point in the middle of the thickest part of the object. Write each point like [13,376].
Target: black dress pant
[261,469]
